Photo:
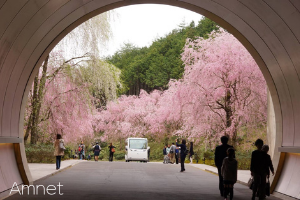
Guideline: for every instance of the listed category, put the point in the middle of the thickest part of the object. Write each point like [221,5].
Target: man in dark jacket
[183,152]
[220,154]
[258,170]
[165,155]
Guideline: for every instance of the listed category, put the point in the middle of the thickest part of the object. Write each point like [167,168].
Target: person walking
[182,153]
[59,149]
[165,155]
[176,154]
[258,170]
[269,167]
[79,152]
[191,152]
[97,150]
[172,153]
[229,173]
[269,163]
[111,152]
[220,154]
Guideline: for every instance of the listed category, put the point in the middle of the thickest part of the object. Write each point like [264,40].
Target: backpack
[186,152]
[97,148]
[113,150]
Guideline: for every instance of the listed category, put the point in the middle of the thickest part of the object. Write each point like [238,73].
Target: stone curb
[238,181]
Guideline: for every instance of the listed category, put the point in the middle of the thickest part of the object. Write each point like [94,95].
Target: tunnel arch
[268,29]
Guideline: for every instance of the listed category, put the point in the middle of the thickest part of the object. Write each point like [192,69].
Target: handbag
[186,152]
[250,183]
[113,150]
[61,146]
[268,188]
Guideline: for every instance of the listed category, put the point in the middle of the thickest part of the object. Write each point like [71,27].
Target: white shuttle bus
[137,150]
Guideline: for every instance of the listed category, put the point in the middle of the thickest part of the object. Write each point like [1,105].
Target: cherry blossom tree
[128,116]
[64,97]
[62,105]
[222,91]
[222,88]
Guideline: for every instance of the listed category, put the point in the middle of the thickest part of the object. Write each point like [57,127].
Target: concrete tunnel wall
[269,29]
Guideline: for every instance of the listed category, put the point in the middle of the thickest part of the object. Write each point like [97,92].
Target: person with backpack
[220,154]
[111,152]
[229,173]
[79,152]
[183,153]
[97,150]
[59,149]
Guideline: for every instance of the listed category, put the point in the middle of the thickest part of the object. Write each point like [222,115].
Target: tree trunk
[228,109]
[229,114]
[28,129]
[38,94]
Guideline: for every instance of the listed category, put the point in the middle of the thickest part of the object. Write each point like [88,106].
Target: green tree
[102,79]
[150,68]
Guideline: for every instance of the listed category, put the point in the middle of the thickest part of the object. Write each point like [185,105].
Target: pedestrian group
[227,165]
[177,153]
[260,167]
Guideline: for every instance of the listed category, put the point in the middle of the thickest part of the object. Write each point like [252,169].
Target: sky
[142,24]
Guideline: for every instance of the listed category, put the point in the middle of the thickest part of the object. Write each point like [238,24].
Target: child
[269,166]
[229,173]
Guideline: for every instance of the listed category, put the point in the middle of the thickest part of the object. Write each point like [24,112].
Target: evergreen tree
[150,68]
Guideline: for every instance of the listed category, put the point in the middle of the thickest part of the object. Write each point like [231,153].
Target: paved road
[120,180]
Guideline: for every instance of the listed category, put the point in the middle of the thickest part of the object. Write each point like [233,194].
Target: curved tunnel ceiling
[269,29]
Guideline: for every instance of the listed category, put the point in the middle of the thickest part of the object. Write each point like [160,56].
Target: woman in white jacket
[59,149]
[229,173]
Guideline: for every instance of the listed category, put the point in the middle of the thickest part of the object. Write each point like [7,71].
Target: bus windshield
[137,144]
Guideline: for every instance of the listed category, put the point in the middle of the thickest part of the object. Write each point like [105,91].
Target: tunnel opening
[230,22]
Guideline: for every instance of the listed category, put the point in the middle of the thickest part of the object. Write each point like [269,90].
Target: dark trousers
[259,185]
[182,157]
[221,185]
[228,189]
[111,156]
[58,161]
[176,158]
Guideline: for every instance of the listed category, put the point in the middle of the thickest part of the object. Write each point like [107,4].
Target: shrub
[40,153]
[43,153]
[119,156]
[101,156]
[208,155]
